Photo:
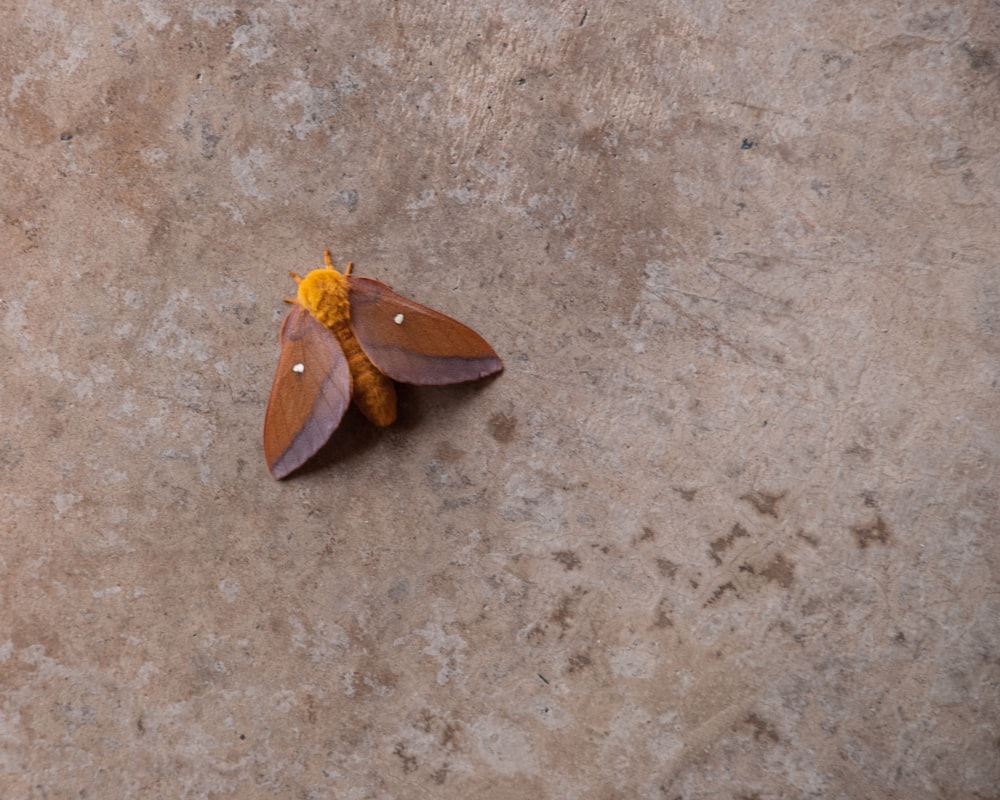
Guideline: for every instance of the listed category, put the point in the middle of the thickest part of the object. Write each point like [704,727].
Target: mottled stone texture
[726,527]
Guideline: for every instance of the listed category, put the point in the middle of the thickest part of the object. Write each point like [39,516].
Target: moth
[348,338]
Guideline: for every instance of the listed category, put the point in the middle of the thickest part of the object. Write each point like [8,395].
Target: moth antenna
[295,276]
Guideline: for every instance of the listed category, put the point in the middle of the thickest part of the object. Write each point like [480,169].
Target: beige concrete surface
[727,525]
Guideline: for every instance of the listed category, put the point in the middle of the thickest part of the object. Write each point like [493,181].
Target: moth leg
[329,263]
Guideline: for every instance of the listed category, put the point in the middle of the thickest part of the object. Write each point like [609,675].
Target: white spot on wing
[398,319]
[299,368]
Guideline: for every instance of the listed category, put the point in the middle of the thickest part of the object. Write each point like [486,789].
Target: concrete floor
[727,525]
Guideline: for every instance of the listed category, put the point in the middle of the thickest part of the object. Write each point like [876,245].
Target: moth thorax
[323,292]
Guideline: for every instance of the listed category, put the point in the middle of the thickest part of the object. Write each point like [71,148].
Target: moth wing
[310,393]
[412,343]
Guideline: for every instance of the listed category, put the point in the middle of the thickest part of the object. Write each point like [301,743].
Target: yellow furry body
[324,293]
